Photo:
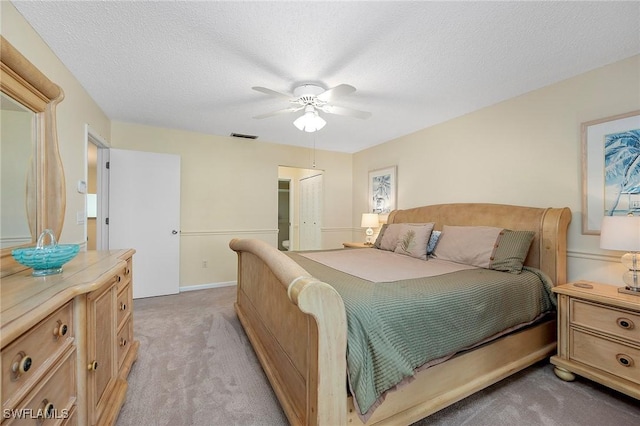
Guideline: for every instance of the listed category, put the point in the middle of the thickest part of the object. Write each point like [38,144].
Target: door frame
[102,186]
[291,211]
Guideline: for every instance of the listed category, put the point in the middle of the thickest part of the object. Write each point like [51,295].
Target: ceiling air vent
[240,135]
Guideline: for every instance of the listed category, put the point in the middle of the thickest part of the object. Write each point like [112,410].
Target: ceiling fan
[312,98]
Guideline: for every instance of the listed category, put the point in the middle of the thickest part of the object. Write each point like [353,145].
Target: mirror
[17,130]
[34,180]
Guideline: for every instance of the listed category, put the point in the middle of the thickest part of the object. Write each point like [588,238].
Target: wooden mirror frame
[23,82]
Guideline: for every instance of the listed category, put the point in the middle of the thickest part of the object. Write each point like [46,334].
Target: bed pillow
[512,250]
[470,245]
[433,240]
[390,233]
[376,244]
[390,236]
[413,240]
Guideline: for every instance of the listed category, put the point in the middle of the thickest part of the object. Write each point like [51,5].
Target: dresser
[67,342]
[599,336]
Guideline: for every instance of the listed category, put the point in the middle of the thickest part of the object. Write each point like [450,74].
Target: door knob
[174,232]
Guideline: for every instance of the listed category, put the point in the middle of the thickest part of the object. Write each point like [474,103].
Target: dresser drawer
[54,397]
[125,275]
[606,355]
[124,341]
[30,356]
[124,304]
[72,420]
[605,319]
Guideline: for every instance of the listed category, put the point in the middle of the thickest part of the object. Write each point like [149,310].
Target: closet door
[311,213]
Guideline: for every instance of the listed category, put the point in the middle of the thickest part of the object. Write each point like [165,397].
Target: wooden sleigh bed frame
[297,325]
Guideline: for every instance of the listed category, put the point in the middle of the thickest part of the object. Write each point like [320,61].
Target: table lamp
[623,233]
[369,221]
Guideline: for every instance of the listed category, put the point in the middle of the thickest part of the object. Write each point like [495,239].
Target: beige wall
[229,189]
[74,112]
[524,151]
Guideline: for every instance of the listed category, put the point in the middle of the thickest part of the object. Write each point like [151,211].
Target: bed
[297,324]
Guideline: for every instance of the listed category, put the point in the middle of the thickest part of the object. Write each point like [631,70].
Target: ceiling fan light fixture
[310,121]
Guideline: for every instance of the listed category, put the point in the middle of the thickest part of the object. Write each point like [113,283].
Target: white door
[144,214]
[311,213]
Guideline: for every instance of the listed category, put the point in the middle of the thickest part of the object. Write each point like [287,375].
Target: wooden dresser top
[25,299]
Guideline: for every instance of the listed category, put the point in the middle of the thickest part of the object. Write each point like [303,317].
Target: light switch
[82,187]
[80,218]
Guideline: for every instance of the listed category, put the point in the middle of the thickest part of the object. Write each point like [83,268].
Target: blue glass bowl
[47,260]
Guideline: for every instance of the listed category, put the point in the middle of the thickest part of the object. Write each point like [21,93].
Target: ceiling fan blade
[278,112]
[334,92]
[272,92]
[349,112]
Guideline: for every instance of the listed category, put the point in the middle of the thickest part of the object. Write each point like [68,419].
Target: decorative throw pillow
[433,240]
[511,251]
[470,245]
[389,239]
[380,234]
[413,240]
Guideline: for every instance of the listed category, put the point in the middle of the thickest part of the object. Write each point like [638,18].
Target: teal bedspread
[396,327]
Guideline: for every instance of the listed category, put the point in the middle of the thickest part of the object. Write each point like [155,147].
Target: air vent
[240,135]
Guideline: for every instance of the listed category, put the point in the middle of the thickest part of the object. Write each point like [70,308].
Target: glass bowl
[46,260]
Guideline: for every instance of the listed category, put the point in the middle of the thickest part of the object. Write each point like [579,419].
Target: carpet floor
[196,367]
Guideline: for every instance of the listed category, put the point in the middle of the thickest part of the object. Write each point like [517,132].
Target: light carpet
[196,367]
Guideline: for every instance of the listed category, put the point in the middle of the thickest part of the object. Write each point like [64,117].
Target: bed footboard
[298,328]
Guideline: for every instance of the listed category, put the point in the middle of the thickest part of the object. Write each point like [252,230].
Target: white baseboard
[205,286]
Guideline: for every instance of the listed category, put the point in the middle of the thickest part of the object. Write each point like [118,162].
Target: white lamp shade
[620,233]
[369,220]
[310,121]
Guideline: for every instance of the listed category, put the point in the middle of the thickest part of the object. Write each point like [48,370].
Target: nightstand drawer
[612,357]
[31,355]
[606,319]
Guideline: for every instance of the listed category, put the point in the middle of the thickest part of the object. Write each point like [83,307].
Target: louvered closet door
[311,213]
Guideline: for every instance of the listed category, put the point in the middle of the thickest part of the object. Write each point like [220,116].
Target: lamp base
[629,290]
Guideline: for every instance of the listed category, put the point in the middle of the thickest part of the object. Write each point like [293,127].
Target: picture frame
[610,178]
[382,190]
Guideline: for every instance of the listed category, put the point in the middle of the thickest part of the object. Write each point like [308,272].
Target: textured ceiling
[191,64]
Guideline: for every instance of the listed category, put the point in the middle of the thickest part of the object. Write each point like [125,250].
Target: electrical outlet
[204,264]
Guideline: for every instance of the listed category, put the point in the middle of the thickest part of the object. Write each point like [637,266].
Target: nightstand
[599,336]
[357,245]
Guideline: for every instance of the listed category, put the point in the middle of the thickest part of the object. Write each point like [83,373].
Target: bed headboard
[548,251]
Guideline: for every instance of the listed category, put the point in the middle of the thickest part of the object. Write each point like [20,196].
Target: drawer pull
[127,271]
[22,365]
[60,330]
[93,366]
[48,410]
[123,342]
[118,278]
[123,306]
[625,360]
[625,323]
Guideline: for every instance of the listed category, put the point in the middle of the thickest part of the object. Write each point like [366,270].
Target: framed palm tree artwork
[610,169]
[382,190]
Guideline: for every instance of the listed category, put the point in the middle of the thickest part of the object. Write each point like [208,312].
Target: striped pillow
[511,251]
